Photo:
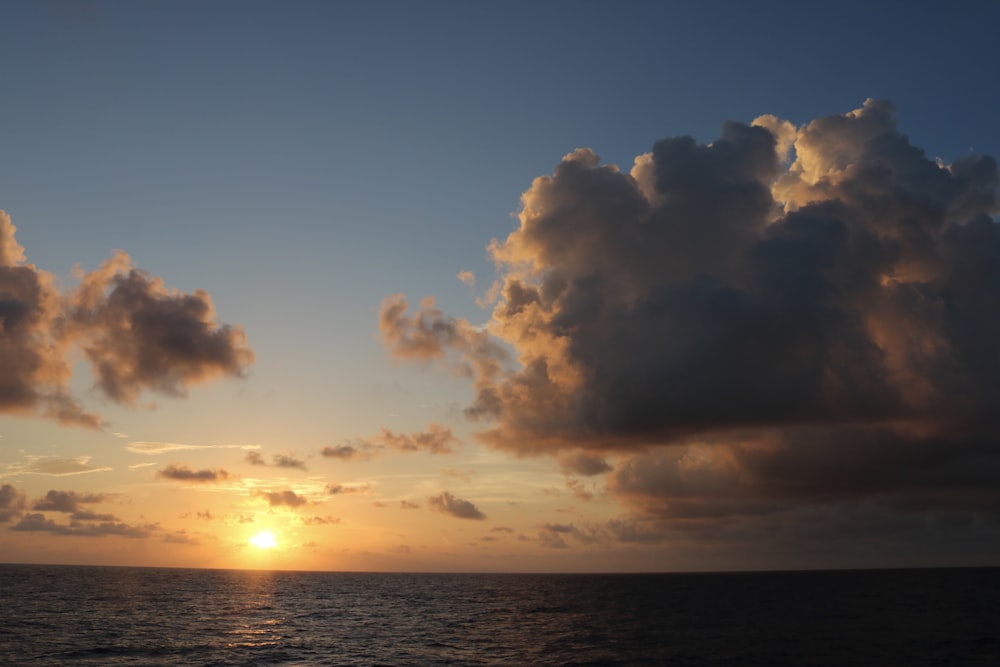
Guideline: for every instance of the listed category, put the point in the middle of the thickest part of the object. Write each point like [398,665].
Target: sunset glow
[264,540]
[489,287]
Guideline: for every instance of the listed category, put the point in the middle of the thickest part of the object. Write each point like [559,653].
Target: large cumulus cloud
[802,314]
[137,334]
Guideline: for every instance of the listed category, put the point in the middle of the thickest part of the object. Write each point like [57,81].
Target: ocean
[74,615]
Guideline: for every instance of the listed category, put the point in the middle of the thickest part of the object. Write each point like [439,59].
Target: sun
[264,540]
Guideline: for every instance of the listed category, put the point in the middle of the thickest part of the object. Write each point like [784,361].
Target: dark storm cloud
[807,317]
[686,297]
[446,503]
[11,502]
[813,466]
[185,474]
[137,334]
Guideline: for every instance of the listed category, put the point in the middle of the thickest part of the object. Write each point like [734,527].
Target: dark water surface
[68,615]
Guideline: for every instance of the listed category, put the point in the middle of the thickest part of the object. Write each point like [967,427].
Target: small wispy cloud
[339,489]
[278,460]
[54,466]
[467,278]
[286,498]
[436,439]
[361,452]
[153,448]
[319,520]
[184,474]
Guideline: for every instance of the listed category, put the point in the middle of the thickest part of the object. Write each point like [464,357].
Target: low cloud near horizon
[783,320]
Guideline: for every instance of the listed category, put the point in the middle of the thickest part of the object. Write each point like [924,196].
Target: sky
[443,286]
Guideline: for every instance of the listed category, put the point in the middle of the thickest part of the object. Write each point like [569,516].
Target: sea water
[69,615]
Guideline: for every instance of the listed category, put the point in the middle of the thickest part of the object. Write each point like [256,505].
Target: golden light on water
[264,540]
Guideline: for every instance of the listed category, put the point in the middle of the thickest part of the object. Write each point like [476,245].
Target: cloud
[579,489]
[82,521]
[33,353]
[38,523]
[584,464]
[255,459]
[285,461]
[287,498]
[446,503]
[278,461]
[338,489]
[408,505]
[185,474]
[552,539]
[53,466]
[360,452]
[909,472]
[787,318]
[319,520]
[153,448]
[429,335]
[467,278]
[67,501]
[715,288]
[137,335]
[11,502]
[436,439]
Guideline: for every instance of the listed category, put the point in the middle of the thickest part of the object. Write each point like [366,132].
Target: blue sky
[302,161]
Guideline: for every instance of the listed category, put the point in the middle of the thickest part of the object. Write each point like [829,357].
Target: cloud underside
[183,473]
[137,334]
[82,522]
[437,439]
[446,503]
[788,317]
